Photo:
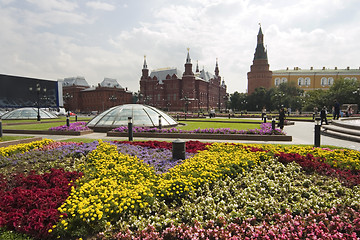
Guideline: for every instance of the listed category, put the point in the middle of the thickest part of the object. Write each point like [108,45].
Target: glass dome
[142,115]
[27,113]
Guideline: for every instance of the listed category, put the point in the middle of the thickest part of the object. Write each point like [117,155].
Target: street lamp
[38,90]
[279,95]
[67,97]
[113,98]
[357,92]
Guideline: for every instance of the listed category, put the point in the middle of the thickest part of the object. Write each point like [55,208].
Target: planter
[19,141]
[247,137]
[47,132]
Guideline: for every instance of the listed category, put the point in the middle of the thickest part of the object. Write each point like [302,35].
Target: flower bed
[74,127]
[135,190]
[265,129]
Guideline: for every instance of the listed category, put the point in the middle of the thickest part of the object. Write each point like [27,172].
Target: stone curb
[19,141]
[46,132]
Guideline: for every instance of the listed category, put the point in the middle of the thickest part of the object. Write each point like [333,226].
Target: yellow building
[312,79]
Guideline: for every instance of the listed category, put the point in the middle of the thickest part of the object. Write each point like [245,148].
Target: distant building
[312,79]
[309,79]
[170,89]
[80,97]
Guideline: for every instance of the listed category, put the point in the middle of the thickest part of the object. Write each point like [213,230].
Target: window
[284,80]
[307,81]
[354,78]
[277,81]
[323,81]
[331,80]
[300,81]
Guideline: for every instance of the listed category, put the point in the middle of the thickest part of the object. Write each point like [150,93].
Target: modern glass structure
[27,113]
[142,115]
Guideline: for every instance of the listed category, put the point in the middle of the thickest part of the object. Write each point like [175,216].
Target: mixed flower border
[112,190]
[265,129]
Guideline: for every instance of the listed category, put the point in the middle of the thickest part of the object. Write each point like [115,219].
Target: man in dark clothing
[336,110]
[323,114]
[281,118]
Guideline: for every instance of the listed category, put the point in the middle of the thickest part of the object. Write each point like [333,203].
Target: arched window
[354,78]
[284,80]
[323,81]
[277,81]
[307,81]
[331,80]
[300,81]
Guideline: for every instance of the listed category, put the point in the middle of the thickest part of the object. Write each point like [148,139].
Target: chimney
[323,68]
[335,68]
[347,68]
[311,68]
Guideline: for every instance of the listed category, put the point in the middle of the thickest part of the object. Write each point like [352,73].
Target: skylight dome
[27,113]
[142,115]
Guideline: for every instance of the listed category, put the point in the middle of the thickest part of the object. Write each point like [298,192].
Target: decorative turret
[145,70]
[217,68]
[260,52]
[260,74]
[188,65]
[197,66]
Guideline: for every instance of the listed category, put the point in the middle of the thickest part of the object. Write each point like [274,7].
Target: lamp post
[38,90]
[160,125]
[357,93]
[130,128]
[186,104]
[317,132]
[1,131]
[67,98]
[279,95]
[113,99]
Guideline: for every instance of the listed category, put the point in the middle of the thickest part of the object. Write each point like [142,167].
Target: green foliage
[11,235]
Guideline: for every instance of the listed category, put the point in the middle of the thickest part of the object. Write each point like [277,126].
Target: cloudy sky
[55,39]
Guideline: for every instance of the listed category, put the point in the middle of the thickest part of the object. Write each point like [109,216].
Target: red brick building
[172,90]
[80,97]
[259,75]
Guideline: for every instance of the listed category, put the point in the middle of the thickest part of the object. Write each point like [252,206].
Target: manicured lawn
[41,126]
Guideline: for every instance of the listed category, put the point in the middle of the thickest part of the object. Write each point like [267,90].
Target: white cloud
[58,39]
[101,6]
[54,4]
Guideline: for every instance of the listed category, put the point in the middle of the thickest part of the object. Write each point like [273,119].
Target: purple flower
[76,127]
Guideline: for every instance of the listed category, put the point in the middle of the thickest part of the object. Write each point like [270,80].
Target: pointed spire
[217,68]
[197,66]
[145,70]
[260,51]
[188,60]
[145,65]
[260,31]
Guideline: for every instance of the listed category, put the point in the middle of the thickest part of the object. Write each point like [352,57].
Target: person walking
[263,112]
[323,114]
[281,118]
[336,110]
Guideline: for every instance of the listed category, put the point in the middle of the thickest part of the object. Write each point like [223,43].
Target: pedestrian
[281,118]
[336,110]
[323,114]
[263,112]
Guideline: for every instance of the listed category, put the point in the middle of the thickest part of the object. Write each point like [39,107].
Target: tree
[238,101]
